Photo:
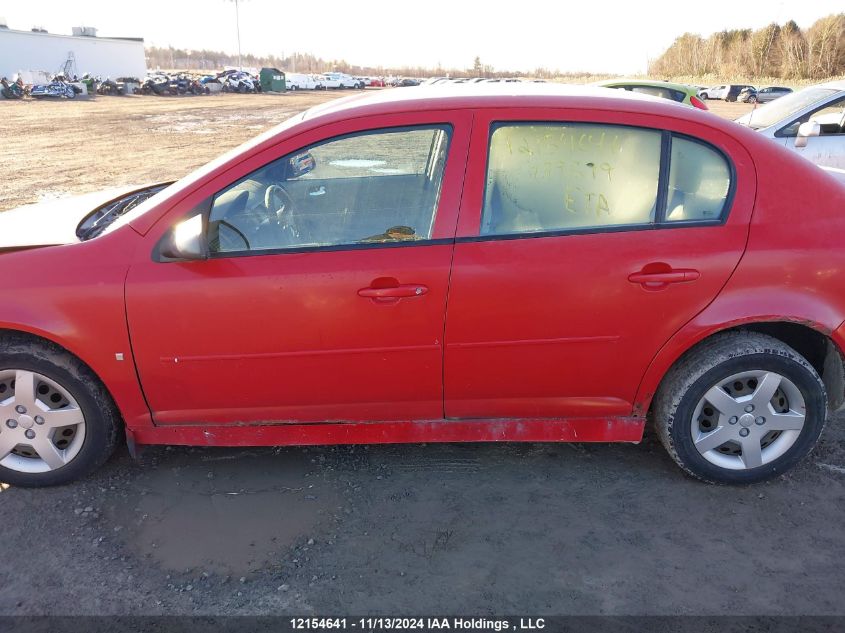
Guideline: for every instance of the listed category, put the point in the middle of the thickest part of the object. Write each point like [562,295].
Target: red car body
[549,339]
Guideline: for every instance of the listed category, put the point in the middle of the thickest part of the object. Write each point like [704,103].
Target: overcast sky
[584,35]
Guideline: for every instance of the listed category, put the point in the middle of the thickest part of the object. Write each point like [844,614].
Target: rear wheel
[57,423]
[742,408]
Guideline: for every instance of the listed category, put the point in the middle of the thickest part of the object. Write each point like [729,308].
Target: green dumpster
[272,80]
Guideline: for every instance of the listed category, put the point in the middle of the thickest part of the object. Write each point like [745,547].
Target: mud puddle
[223,511]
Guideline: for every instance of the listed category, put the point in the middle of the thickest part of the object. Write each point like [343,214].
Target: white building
[31,52]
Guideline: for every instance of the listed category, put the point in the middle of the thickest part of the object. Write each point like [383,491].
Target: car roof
[481,95]
[838,84]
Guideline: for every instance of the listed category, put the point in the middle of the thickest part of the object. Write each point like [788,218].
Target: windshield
[786,107]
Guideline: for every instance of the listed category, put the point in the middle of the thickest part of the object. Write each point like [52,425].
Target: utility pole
[238,27]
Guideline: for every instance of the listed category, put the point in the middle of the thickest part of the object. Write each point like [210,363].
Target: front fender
[73,296]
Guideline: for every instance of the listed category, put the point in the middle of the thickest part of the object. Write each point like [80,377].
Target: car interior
[540,181]
[381,187]
[558,177]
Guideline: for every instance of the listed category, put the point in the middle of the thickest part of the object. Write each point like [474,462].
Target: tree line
[785,52]
[183,59]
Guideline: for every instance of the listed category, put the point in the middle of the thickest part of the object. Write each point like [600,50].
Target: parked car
[301,81]
[337,81]
[608,259]
[734,91]
[764,95]
[681,93]
[714,92]
[728,92]
[810,122]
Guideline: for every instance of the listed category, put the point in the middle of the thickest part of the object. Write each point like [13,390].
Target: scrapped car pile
[157,83]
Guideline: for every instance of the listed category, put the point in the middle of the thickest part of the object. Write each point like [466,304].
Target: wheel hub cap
[746,420]
[44,427]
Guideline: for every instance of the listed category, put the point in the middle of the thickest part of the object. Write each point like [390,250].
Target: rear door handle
[658,276]
[679,275]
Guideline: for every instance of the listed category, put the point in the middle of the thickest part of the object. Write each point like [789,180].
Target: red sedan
[489,263]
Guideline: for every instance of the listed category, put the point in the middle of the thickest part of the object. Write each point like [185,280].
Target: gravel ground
[410,529]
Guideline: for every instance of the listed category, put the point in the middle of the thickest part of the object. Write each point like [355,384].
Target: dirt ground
[81,145]
[54,149]
[409,529]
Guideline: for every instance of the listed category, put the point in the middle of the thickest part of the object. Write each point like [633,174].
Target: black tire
[719,358]
[102,421]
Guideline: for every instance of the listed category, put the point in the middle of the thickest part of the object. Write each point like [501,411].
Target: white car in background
[340,80]
[302,81]
[810,122]
[714,92]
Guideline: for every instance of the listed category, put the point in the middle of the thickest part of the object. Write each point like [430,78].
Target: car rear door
[586,239]
[312,312]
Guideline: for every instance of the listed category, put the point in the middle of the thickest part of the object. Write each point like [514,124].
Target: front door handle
[388,290]
[394,292]
[659,276]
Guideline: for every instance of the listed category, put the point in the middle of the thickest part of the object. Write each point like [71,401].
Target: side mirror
[186,240]
[805,131]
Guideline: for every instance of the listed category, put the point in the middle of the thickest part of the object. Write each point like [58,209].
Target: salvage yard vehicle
[302,81]
[337,81]
[608,259]
[57,88]
[715,92]
[681,93]
[810,122]
[749,94]
[11,90]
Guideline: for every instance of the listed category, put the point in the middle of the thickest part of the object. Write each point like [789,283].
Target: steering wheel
[278,202]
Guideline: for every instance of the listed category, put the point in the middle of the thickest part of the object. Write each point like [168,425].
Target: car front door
[324,292]
[585,241]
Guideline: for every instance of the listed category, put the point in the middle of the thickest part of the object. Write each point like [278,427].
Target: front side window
[551,177]
[374,187]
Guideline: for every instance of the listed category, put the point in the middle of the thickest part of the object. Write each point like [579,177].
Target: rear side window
[699,181]
[566,176]
[557,177]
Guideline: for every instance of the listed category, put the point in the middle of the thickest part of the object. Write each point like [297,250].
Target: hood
[837,173]
[55,221]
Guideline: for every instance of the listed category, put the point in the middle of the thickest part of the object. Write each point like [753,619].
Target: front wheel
[57,422]
[742,408]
